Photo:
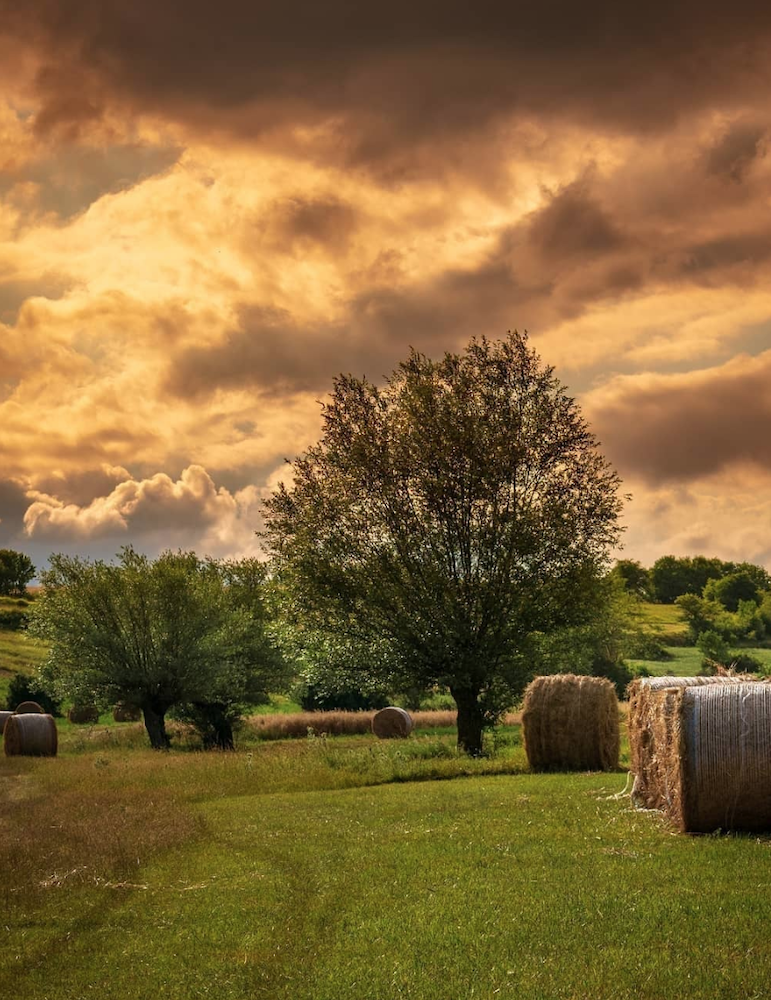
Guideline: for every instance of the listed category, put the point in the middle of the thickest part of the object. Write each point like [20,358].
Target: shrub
[746,663]
[12,621]
[713,647]
[314,698]
[25,688]
[617,672]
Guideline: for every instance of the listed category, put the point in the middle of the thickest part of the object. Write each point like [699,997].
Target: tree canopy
[453,513]
[16,571]
[176,631]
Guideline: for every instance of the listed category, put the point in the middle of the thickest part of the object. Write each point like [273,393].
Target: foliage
[25,688]
[745,663]
[731,589]
[750,622]
[671,577]
[13,620]
[600,646]
[450,514]
[178,631]
[713,647]
[634,577]
[16,570]
[322,698]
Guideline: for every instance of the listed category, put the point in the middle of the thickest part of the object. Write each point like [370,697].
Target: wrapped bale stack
[4,716]
[715,755]
[648,733]
[570,723]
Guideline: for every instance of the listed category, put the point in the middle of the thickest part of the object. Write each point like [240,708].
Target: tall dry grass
[301,724]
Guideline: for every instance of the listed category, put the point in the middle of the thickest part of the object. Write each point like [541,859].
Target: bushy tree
[26,688]
[671,577]
[16,570]
[634,577]
[452,514]
[730,590]
[175,631]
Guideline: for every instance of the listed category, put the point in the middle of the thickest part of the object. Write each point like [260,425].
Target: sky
[207,211]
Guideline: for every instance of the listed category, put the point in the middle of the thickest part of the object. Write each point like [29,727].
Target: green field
[348,869]
[316,870]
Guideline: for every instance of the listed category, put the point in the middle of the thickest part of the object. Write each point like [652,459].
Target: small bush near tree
[25,688]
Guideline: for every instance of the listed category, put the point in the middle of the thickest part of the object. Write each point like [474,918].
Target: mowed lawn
[302,870]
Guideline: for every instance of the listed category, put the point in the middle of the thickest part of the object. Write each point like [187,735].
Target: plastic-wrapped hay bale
[126,713]
[644,746]
[30,735]
[716,755]
[4,716]
[570,723]
[391,722]
[29,708]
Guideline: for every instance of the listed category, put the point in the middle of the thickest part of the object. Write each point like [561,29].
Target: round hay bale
[30,735]
[714,748]
[570,723]
[126,713]
[82,714]
[29,708]
[4,717]
[643,724]
[391,722]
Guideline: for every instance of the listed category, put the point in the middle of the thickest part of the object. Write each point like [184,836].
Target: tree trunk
[155,724]
[470,720]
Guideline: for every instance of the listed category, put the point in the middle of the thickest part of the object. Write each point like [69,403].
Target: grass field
[334,869]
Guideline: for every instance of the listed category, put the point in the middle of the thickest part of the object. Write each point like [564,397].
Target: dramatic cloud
[677,428]
[192,510]
[207,214]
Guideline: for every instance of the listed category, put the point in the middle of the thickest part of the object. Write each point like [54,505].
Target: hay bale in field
[570,723]
[4,716]
[30,735]
[391,722]
[126,713]
[715,755]
[82,714]
[29,708]
[643,736]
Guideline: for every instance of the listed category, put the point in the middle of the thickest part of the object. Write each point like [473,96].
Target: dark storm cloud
[734,151]
[400,72]
[13,504]
[679,428]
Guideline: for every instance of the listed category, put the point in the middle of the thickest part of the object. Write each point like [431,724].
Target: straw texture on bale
[126,713]
[570,723]
[28,707]
[82,714]
[391,722]
[4,716]
[30,735]
[644,742]
[715,755]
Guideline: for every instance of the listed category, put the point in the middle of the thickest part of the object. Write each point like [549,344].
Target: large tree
[176,631]
[455,512]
